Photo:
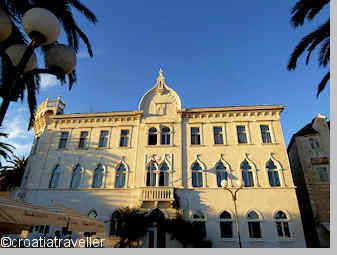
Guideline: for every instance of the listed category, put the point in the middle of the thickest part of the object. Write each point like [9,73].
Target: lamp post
[43,28]
[224,185]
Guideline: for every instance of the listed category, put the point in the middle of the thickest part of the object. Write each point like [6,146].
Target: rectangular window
[241,130]
[124,142]
[265,133]
[195,135]
[254,230]
[323,174]
[83,140]
[218,138]
[63,140]
[103,139]
[226,229]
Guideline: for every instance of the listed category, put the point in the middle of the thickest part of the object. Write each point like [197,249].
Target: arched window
[247,174]
[55,177]
[98,177]
[200,221]
[226,225]
[120,176]
[163,174]
[196,175]
[151,175]
[152,136]
[221,173]
[254,225]
[165,135]
[76,177]
[282,226]
[274,179]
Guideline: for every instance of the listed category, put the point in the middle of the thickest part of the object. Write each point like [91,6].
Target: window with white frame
[83,143]
[195,136]
[323,173]
[218,136]
[98,177]
[221,173]
[120,176]
[265,133]
[124,141]
[103,139]
[254,225]
[247,174]
[226,225]
[152,138]
[163,174]
[165,136]
[55,177]
[63,140]
[196,175]
[199,220]
[151,175]
[273,175]
[282,225]
[242,136]
[76,177]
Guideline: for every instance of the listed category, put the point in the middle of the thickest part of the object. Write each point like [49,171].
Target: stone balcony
[156,196]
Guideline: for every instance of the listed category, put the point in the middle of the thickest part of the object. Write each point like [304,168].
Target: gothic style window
[98,177]
[76,177]
[151,175]
[120,176]
[314,143]
[55,177]
[247,174]
[124,142]
[63,140]
[195,135]
[274,179]
[218,138]
[265,133]
[165,136]
[323,174]
[200,221]
[152,136]
[83,140]
[282,226]
[254,225]
[226,225]
[163,175]
[241,130]
[196,175]
[221,173]
[103,139]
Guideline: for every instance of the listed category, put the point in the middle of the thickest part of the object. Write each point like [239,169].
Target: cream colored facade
[161,107]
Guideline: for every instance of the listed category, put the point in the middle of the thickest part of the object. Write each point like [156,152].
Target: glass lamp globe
[41,22]
[15,53]
[5,26]
[61,56]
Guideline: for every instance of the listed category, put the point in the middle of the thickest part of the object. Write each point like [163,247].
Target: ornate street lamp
[43,28]
[224,184]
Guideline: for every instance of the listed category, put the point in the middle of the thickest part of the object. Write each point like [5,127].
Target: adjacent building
[309,156]
[96,163]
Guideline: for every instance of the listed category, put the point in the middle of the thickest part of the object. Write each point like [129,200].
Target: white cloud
[47,81]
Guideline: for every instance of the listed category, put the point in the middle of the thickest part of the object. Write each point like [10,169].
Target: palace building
[96,163]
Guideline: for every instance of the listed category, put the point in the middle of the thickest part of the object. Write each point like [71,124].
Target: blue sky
[214,53]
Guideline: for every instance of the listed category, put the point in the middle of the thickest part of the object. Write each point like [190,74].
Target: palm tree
[5,148]
[11,176]
[63,11]
[308,9]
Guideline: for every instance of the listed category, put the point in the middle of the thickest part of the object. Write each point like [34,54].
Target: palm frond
[306,9]
[322,84]
[324,54]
